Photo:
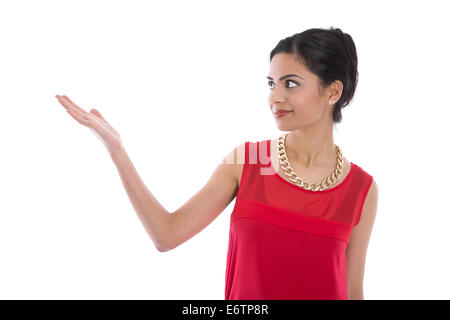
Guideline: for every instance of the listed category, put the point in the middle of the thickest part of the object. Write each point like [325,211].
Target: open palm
[94,121]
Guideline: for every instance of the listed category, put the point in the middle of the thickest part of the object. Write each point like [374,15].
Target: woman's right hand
[94,121]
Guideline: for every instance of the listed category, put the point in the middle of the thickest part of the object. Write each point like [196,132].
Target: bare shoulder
[235,159]
[372,194]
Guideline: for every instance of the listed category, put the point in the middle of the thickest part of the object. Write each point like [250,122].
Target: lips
[282,111]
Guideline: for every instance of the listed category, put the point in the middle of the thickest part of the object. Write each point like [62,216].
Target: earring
[331,101]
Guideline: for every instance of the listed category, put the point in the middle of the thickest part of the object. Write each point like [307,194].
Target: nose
[275,97]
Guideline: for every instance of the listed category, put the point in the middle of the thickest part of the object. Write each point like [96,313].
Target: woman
[289,238]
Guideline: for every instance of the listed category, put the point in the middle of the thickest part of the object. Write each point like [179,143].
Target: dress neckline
[346,179]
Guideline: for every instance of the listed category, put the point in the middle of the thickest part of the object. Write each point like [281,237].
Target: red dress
[288,243]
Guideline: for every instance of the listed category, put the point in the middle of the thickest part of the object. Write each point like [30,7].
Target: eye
[270,82]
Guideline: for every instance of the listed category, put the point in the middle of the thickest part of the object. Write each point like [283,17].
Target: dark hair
[328,53]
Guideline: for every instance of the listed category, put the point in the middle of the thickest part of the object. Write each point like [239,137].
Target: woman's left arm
[358,243]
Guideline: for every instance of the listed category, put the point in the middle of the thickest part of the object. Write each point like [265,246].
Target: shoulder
[366,188]
[369,184]
[234,154]
[235,159]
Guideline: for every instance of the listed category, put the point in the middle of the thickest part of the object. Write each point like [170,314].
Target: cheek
[306,107]
[306,113]
[302,103]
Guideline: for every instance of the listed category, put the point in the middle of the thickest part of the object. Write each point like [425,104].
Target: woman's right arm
[204,206]
[169,230]
[152,214]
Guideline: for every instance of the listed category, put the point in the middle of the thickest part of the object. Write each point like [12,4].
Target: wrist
[116,151]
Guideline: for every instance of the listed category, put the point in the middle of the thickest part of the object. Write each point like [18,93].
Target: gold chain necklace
[325,184]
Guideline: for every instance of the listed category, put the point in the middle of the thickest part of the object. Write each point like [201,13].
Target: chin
[285,127]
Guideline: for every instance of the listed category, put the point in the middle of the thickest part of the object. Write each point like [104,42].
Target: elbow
[164,242]
[163,247]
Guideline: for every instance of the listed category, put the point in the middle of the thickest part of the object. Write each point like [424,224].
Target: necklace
[325,184]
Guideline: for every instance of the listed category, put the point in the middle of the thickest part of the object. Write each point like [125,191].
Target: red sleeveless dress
[288,243]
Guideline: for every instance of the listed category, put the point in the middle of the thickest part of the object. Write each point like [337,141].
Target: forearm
[151,213]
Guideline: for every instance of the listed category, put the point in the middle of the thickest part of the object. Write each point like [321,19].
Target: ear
[336,90]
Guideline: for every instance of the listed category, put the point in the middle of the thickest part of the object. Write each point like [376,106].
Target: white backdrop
[183,82]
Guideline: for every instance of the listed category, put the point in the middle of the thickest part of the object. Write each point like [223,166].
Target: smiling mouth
[281,114]
[282,111]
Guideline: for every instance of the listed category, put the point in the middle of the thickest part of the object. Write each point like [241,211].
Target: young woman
[299,230]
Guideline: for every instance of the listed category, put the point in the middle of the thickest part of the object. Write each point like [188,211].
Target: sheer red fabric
[288,243]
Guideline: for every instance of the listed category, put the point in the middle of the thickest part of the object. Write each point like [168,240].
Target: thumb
[97,113]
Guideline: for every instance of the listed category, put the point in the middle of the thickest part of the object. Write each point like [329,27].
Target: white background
[183,82]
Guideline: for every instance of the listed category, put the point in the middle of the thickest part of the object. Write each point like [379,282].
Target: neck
[311,146]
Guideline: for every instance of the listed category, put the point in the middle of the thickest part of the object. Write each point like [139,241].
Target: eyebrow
[286,76]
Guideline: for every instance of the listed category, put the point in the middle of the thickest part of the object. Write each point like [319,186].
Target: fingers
[69,104]
[73,103]
[81,116]
[81,119]
[66,104]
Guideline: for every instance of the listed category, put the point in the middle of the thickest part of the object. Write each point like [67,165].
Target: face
[300,96]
